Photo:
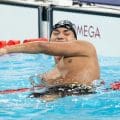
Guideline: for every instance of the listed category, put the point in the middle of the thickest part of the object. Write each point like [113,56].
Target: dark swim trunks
[66,90]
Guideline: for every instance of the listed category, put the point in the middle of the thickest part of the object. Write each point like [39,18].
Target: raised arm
[69,49]
[75,48]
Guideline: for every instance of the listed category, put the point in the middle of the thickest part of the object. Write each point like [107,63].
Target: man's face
[62,35]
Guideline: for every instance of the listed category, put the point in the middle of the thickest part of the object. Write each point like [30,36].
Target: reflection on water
[15,71]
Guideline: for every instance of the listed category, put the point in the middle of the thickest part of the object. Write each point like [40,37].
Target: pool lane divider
[20,90]
[113,86]
[4,43]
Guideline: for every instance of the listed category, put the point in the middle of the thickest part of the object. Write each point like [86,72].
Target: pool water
[15,70]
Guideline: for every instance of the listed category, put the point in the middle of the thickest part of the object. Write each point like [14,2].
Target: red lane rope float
[2,43]
[13,42]
[115,85]
[9,91]
[34,40]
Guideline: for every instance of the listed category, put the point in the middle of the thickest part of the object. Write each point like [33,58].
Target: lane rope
[113,86]
[9,91]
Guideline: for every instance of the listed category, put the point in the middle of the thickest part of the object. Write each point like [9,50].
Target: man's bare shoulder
[86,46]
[84,42]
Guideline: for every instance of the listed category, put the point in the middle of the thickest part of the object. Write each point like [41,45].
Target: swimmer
[76,60]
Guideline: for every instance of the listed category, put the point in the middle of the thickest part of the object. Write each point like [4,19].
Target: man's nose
[60,36]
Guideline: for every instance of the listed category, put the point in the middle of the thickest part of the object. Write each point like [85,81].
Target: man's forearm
[32,47]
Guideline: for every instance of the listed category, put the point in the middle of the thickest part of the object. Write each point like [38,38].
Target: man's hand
[3,51]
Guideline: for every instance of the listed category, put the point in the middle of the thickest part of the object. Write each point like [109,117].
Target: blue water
[15,70]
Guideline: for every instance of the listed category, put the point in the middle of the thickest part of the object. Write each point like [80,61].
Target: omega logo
[88,31]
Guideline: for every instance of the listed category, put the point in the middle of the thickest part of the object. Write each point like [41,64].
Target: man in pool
[76,62]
